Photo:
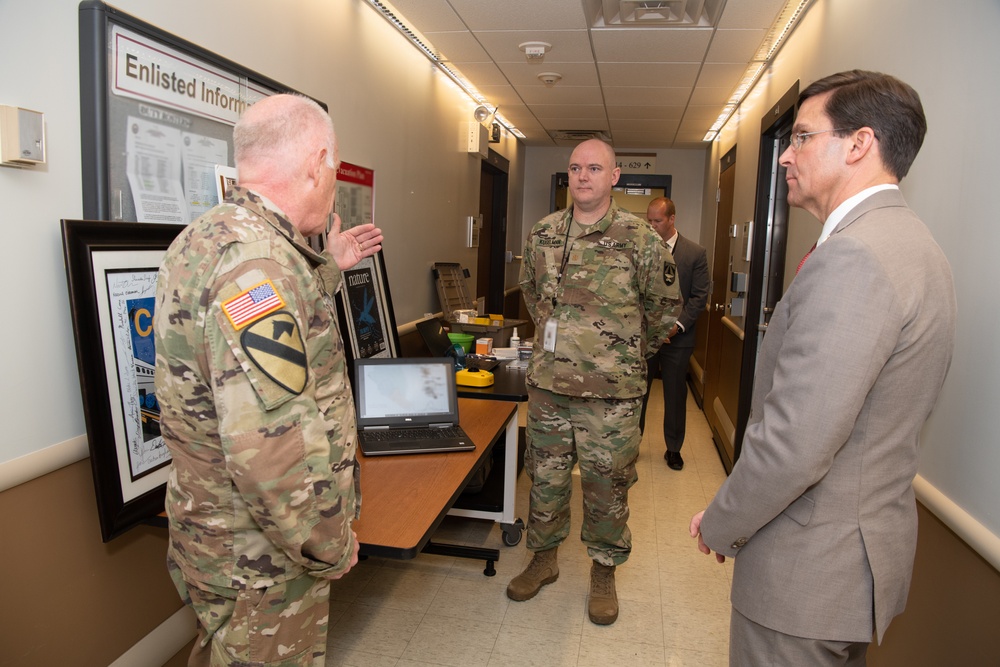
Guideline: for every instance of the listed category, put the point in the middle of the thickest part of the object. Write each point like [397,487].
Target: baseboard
[163,643]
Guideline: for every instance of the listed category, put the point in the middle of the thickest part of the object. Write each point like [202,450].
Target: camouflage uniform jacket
[256,408]
[616,301]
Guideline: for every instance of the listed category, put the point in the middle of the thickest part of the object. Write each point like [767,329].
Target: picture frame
[111,270]
[364,311]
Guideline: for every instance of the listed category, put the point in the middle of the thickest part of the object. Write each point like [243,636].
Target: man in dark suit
[819,509]
[674,355]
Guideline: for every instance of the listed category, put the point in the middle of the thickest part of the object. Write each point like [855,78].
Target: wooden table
[405,497]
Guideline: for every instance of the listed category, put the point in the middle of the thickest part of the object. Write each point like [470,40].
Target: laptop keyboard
[412,434]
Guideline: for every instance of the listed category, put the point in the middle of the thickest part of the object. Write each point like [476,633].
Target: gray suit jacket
[819,510]
[692,269]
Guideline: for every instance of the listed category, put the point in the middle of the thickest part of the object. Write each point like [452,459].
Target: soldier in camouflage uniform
[600,286]
[256,408]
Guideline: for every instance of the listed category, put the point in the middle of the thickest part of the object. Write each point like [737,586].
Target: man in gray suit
[675,353]
[819,509]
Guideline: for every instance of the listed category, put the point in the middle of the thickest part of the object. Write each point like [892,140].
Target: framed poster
[364,306]
[111,270]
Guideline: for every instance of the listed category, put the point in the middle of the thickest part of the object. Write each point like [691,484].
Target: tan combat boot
[602,607]
[542,570]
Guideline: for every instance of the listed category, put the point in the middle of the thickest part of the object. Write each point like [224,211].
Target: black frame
[81,239]
[348,326]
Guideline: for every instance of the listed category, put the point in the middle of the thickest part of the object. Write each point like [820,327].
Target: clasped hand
[695,530]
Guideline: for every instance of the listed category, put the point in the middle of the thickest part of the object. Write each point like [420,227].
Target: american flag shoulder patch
[252,304]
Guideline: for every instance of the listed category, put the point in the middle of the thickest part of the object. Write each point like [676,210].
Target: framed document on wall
[111,269]
[157,114]
[364,305]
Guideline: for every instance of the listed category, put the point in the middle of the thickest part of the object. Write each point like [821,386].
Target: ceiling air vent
[655,13]
[579,135]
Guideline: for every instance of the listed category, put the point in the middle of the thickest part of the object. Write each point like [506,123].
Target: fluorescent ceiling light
[782,26]
[424,46]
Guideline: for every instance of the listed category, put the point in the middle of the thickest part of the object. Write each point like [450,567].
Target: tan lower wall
[70,599]
[953,611]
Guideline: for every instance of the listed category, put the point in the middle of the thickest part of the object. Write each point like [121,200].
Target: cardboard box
[484,346]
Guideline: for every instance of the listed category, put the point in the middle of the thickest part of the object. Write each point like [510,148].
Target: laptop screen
[405,392]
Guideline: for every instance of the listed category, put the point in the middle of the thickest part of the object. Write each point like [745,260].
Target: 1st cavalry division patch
[274,345]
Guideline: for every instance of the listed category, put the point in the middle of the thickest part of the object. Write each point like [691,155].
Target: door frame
[767,253]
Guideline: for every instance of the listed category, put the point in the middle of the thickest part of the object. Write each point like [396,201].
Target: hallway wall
[394,113]
[950,62]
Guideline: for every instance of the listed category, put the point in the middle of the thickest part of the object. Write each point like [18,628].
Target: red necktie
[803,260]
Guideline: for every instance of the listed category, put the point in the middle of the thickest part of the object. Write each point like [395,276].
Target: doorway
[491,262]
[769,242]
[723,343]
[633,192]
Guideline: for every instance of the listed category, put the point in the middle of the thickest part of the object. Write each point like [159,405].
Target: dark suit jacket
[692,269]
[819,509]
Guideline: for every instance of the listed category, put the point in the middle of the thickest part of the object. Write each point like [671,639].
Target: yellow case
[473,378]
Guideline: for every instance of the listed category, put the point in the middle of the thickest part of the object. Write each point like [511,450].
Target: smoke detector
[549,78]
[534,51]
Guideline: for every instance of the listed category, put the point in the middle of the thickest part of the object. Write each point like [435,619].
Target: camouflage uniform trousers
[603,436]
[284,625]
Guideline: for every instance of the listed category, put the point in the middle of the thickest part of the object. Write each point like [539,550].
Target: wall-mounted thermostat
[22,137]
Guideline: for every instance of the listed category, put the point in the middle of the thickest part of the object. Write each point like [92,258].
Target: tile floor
[436,610]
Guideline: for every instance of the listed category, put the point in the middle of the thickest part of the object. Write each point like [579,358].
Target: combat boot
[543,569]
[602,607]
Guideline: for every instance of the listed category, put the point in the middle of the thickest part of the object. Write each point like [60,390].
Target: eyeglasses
[800,138]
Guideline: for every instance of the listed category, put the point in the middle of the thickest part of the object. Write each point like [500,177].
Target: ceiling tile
[427,15]
[574,124]
[482,74]
[573,74]
[645,113]
[709,96]
[719,75]
[645,95]
[735,46]
[567,110]
[458,47]
[568,46]
[559,94]
[664,45]
[652,127]
[521,14]
[755,14]
[703,113]
[664,75]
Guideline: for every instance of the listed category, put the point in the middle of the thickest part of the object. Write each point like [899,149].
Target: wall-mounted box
[22,137]
[479,139]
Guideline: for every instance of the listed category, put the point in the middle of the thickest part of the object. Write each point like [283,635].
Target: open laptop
[437,341]
[408,406]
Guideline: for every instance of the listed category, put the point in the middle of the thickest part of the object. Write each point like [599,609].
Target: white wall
[686,166]
[394,113]
[951,59]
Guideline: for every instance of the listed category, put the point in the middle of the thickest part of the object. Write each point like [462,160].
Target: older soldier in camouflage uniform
[256,408]
[601,288]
